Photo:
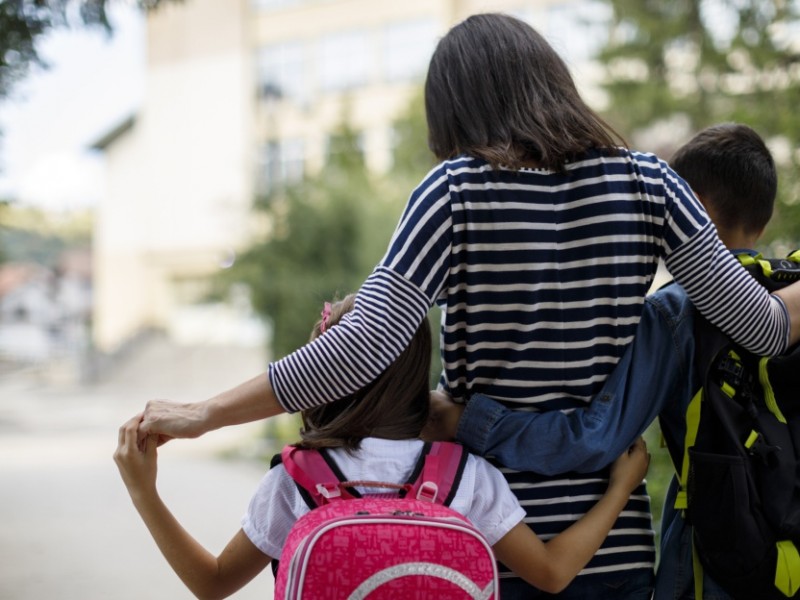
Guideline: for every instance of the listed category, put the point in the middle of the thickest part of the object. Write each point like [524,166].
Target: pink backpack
[404,544]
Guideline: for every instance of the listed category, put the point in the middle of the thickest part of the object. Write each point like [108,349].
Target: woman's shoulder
[619,154]
[458,166]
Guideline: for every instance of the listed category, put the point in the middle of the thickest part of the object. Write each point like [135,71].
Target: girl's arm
[204,574]
[552,565]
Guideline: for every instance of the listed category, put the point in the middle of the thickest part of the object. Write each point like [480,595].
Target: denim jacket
[655,377]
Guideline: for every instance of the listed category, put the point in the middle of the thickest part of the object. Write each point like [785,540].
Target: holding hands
[136,460]
[167,420]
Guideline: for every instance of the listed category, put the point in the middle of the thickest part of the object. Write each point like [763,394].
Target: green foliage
[659,474]
[29,234]
[18,30]
[707,62]
[317,245]
[326,233]
[412,157]
[23,22]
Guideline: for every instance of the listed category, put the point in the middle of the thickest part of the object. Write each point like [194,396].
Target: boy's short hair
[730,167]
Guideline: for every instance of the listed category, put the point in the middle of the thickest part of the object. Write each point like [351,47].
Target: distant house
[45,314]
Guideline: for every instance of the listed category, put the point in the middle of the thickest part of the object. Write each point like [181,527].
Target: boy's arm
[551,566]
[652,372]
[206,575]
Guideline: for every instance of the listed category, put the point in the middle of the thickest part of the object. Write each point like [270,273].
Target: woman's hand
[167,420]
[137,462]
[443,420]
[628,471]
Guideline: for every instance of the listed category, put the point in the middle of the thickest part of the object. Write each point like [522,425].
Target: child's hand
[629,470]
[137,465]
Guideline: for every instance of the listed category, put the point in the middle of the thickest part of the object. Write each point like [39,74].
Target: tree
[314,248]
[327,232]
[701,62]
[23,22]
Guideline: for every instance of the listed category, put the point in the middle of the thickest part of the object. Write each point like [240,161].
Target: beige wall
[374,106]
[179,182]
[182,179]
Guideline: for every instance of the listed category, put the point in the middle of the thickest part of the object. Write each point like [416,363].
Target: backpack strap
[442,467]
[314,475]
[692,423]
[773,273]
[435,477]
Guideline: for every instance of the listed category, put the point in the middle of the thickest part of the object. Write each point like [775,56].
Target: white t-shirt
[483,496]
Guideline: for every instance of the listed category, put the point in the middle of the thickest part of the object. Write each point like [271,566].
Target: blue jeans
[624,585]
[675,576]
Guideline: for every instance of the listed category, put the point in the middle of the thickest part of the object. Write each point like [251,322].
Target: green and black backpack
[741,471]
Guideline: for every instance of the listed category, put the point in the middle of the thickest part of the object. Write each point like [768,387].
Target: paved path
[67,527]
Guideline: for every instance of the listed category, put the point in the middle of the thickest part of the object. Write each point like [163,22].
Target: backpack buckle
[329,490]
[428,491]
[733,369]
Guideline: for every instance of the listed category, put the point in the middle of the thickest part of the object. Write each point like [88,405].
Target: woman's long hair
[498,91]
[395,406]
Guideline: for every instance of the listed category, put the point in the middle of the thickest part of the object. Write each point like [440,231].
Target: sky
[52,117]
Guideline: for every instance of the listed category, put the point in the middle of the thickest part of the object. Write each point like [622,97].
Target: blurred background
[184,182]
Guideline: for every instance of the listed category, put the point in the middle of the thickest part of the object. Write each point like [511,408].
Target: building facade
[244,95]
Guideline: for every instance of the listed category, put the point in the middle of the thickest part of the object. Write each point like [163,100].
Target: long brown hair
[497,90]
[395,406]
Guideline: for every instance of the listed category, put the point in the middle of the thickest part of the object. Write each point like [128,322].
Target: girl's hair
[395,406]
[497,90]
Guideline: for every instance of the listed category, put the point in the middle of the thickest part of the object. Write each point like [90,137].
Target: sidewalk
[68,528]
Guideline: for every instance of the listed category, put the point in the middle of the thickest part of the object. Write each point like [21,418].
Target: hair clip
[326,314]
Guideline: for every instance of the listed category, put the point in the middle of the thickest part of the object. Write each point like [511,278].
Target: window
[280,163]
[407,49]
[275,4]
[283,72]
[345,60]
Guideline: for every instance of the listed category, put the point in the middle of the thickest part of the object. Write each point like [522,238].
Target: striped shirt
[541,277]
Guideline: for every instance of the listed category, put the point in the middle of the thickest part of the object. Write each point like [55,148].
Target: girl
[373,434]
[538,236]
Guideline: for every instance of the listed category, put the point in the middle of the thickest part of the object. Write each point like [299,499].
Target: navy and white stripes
[541,277]
[387,312]
[552,504]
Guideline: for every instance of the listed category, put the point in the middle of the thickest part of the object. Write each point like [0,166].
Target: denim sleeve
[652,371]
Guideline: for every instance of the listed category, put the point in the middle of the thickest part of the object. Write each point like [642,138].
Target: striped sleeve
[728,296]
[388,309]
[716,283]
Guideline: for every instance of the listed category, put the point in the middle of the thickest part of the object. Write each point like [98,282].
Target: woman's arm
[389,307]
[790,296]
[252,400]
[552,565]
[206,575]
